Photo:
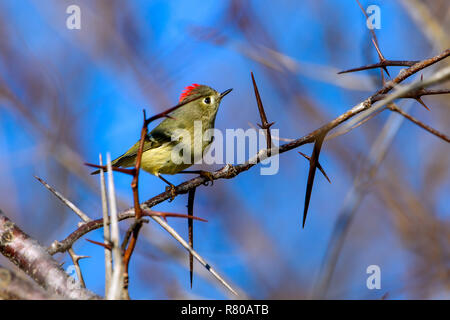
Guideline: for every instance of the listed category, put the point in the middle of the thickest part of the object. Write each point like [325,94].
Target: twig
[190,206]
[66,244]
[73,207]
[383,64]
[416,94]
[174,234]
[438,134]
[106,230]
[375,42]
[115,290]
[137,224]
[437,77]
[347,129]
[75,259]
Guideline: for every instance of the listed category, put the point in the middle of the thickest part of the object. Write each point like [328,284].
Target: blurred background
[68,95]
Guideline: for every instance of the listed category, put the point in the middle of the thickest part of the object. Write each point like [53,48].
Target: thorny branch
[231,171]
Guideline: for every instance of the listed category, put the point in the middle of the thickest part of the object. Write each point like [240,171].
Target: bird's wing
[153,140]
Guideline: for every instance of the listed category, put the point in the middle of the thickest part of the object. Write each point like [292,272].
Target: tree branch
[34,260]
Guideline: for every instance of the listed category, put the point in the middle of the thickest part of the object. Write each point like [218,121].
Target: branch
[383,64]
[438,134]
[66,244]
[73,207]
[75,259]
[375,43]
[34,260]
[116,288]
[106,230]
[14,287]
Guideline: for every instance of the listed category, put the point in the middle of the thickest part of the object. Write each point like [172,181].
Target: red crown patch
[188,90]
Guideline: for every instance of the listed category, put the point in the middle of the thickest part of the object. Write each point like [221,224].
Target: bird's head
[206,97]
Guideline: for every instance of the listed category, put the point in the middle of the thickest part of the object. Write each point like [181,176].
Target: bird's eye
[207,100]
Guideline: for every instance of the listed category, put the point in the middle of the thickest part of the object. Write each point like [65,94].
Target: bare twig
[190,207]
[375,42]
[75,259]
[115,290]
[383,64]
[438,134]
[437,77]
[66,244]
[106,230]
[174,234]
[73,207]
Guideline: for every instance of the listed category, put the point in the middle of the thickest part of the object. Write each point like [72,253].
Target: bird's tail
[122,161]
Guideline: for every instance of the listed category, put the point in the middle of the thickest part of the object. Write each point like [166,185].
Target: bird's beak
[223,94]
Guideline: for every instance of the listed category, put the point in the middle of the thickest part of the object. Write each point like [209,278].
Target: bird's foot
[173,192]
[208,175]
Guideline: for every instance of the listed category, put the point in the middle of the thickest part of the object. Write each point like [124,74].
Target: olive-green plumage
[159,143]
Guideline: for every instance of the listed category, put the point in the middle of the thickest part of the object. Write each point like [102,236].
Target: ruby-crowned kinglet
[157,155]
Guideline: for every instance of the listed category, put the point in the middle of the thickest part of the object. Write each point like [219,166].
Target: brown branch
[34,260]
[406,73]
[75,259]
[265,125]
[416,94]
[438,134]
[66,244]
[383,64]
[137,224]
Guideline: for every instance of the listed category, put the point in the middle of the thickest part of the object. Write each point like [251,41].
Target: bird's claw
[172,191]
[208,175]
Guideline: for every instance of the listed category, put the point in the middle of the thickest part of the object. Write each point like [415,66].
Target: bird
[160,143]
